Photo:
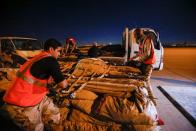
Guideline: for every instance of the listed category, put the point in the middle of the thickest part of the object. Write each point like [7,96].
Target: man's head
[138,33]
[53,47]
[70,40]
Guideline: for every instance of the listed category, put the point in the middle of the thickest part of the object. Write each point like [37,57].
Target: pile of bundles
[5,60]
[101,97]
[99,101]
[6,76]
[11,60]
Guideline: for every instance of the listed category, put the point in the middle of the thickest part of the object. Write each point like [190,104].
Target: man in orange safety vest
[26,100]
[145,57]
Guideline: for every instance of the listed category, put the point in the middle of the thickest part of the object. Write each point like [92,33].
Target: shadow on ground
[181,82]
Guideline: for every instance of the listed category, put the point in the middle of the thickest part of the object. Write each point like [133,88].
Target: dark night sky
[98,20]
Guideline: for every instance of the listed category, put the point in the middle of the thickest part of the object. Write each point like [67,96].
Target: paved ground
[178,78]
[185,96]
[173,118]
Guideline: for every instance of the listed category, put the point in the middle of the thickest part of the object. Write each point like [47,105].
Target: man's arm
[56,73]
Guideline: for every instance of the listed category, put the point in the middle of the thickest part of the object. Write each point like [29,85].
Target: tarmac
[176,102]
[175,88]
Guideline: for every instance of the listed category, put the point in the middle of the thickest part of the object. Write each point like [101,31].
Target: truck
[21,47]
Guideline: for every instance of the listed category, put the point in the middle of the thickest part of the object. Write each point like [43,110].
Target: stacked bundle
[99,103]
[103,97]
[6,75]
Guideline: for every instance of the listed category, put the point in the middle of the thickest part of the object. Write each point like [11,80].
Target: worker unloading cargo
[70,46]
[26,100]
[145,58]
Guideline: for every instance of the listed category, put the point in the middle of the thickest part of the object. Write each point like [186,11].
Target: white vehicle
[132,48]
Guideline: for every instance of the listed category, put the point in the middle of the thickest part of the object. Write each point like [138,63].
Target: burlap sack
[11,72]
[82,105]
[147,128]
[117,110]
[121,70]
[90,66]
[85,95]
[138,83]
[123,111]
[78,116]
[4,85]
[85,126]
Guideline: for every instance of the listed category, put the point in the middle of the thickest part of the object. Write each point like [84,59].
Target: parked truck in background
[22,47]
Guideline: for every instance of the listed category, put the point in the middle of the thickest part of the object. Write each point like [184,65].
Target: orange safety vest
[151,60]
[26,90]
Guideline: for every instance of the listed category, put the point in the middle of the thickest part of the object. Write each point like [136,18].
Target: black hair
[137,32]
[51,43]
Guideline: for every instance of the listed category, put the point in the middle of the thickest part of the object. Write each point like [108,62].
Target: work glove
[136,59]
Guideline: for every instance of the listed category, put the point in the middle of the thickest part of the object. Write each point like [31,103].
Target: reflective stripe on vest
[30,80]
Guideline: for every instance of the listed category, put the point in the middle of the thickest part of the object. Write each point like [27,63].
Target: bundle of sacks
[98,103]
[89,111]
[87,67]
[115,104]
[6,76]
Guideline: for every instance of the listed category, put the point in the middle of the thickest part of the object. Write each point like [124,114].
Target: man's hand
[65,91]
[136,59]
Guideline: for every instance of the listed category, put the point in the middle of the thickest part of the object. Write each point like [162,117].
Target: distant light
[110,43]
